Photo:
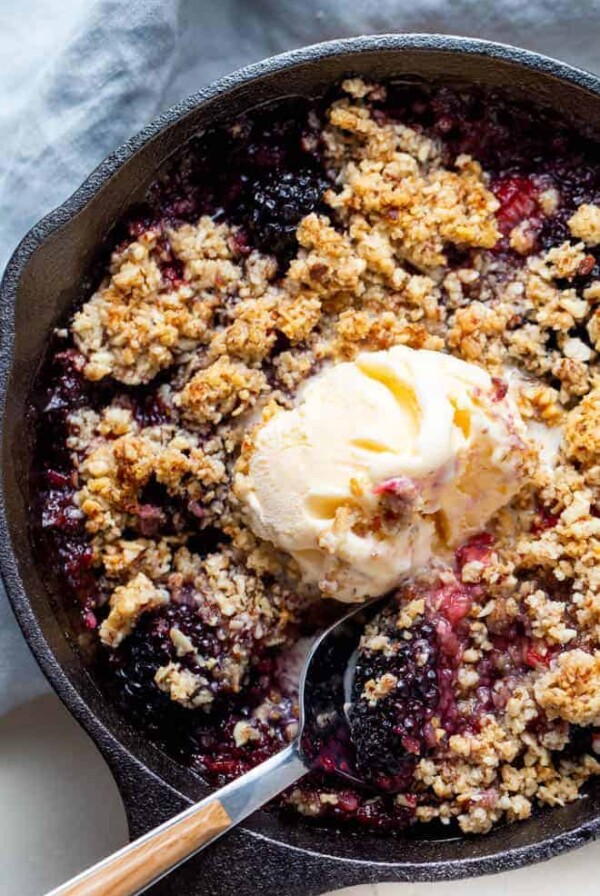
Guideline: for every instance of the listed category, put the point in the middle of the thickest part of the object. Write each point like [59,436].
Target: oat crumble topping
[200,333]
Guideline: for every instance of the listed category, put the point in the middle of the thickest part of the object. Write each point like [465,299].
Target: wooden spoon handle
[141,863]
[135,867]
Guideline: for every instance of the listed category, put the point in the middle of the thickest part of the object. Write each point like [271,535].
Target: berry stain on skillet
[293,281]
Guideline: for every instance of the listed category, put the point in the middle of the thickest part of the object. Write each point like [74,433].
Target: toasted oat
[377,689]
[582,430]
[136,323]
[570,690]
[565,260]
[585,224]
[183,686]
[222,389]
[127,604]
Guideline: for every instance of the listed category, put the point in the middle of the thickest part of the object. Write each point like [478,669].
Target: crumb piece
[296,317]
[183,686]
[244,733]
[522,238]
[410,612]
[592,292]
[357,87]
[585,224]
[127,604]
[565,260]
[582,429]
[374,690]
[423,210]
[570,690]
[251,335]
[136,324]
[548,619]
[223,389]
[549,201]
[328,267]
[182,644]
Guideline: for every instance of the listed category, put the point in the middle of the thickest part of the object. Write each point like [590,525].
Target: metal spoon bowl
[322,742]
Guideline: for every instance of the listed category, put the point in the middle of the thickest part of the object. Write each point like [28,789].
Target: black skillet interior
[46,275]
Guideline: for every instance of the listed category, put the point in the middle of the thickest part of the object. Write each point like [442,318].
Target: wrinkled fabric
[80,76]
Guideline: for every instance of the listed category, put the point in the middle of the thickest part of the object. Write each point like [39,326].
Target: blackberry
[389,735]
[275,205]
[135,663]
[149,646]
[192,735]
[131,671]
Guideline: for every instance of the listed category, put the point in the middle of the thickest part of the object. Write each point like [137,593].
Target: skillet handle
[131,870]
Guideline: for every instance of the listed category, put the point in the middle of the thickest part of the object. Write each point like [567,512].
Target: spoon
[322,742]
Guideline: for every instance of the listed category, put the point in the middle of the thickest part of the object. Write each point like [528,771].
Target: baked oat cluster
[478,689]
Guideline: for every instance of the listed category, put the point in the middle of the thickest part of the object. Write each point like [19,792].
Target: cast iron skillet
[45,276]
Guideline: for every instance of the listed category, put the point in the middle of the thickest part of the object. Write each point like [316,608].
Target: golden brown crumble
[135,325]
[414,206]
[127,604]
[183,686]
[585,224]
[582,430]
[225,388]
[571,690]
[565,260]
[381,687]
[371,273]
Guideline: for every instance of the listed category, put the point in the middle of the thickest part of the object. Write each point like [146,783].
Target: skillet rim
[114,750]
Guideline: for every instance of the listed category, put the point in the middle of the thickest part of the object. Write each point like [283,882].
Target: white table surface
[60,811]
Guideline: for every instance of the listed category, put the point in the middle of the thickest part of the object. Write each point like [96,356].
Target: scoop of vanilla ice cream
[385,462]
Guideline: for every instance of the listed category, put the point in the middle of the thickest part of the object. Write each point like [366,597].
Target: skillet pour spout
[49,274]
